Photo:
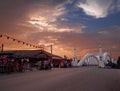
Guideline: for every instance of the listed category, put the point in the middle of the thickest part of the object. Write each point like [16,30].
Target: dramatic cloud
[48,19]
[118,5]
[98,8]
[60,23]
[64,42]
[16,14]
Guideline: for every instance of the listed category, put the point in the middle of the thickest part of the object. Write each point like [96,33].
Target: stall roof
[31,53]
[6,55]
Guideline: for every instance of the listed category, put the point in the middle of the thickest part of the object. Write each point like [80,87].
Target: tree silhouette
[118,61]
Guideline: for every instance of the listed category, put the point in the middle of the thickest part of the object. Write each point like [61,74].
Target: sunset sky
[66,24]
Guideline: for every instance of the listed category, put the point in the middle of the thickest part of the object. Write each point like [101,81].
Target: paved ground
[69,79]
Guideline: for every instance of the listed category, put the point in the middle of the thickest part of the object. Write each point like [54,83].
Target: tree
[118,61]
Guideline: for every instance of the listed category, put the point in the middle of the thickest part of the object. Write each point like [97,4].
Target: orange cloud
[38,24]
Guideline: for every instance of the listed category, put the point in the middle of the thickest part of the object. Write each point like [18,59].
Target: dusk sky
[66,24]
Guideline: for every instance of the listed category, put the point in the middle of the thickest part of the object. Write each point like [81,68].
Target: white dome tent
[106,57]
[93,59]
[100,59]
[88,59]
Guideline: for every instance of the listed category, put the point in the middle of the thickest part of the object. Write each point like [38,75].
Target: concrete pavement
[66,79]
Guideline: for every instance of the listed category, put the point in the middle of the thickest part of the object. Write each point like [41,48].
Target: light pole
[51,49]
[2,48]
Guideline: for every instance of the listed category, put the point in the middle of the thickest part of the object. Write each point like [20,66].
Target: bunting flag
[27,44]
[42,47]
[0,35]
[18,41]
[24,43]
[8,37]
[13,39]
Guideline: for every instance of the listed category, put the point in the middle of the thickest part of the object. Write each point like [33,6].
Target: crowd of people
[12,65]
[8,65]
[46,64]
